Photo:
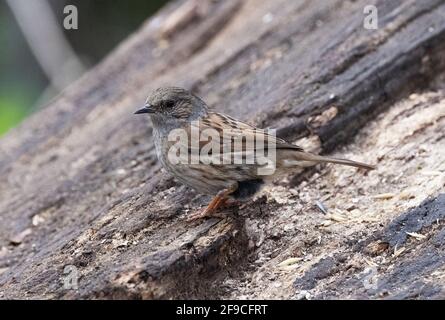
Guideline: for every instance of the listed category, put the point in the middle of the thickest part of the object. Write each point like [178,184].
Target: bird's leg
[219,200]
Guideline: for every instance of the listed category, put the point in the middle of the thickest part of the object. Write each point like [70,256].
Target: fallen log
[86,212]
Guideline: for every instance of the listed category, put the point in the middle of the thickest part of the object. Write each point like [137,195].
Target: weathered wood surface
[81,184]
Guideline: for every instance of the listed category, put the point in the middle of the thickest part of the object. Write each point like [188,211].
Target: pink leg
[217,202]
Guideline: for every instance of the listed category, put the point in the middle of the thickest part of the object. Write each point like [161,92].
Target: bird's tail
[314,158]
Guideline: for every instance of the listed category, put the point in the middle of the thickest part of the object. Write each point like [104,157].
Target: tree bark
[82,189]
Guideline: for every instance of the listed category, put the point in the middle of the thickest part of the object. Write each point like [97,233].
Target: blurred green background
[24,84]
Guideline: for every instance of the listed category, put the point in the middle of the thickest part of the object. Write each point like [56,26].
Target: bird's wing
[231,130]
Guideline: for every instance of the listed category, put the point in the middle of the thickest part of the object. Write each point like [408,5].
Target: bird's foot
[220,200]
[209,211]
[204,213]
[213,212]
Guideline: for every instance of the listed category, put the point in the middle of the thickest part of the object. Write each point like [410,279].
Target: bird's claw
[204,213]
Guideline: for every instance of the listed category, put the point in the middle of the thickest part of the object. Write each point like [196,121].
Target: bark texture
[82,190]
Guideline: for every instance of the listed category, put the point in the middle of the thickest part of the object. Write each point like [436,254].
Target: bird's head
[172,103]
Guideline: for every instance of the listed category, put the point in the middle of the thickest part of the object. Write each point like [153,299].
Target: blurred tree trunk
[82,192]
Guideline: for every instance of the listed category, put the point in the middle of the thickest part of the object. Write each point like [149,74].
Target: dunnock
[175,111]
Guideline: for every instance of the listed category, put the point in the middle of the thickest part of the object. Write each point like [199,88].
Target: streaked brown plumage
[174,108]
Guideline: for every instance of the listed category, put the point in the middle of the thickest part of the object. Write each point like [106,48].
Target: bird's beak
[146,109]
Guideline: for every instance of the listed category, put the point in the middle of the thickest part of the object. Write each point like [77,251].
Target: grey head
[172,107]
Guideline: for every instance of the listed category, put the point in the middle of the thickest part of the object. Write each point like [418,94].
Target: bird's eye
[168,104]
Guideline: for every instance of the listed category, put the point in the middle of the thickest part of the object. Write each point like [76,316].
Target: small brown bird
[199,148]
